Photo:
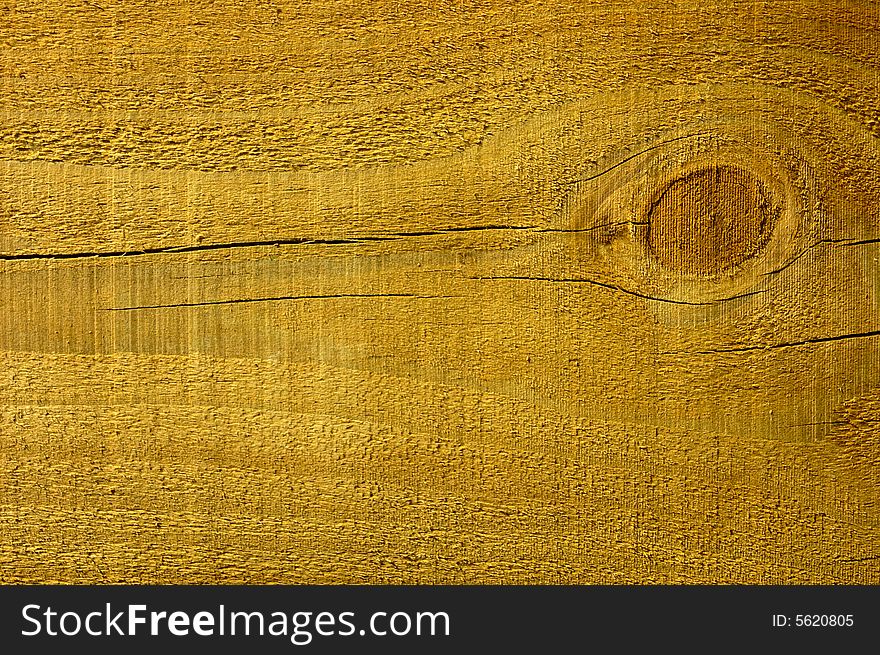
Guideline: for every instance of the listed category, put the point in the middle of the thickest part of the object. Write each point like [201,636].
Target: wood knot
[710,220]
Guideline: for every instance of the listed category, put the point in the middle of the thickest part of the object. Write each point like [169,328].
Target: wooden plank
[410,292]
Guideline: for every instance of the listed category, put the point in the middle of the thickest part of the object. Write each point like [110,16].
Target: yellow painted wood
[427,292]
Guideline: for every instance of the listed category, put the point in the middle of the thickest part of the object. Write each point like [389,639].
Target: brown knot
[710,220]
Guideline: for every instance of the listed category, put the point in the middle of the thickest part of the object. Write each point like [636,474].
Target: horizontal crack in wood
[771,346]
[614,287]
[237,301]
[256,244]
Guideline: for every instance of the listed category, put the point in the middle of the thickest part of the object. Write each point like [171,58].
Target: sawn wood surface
[422,292]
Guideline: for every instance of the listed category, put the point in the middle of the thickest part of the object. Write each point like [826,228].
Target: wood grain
[439,292]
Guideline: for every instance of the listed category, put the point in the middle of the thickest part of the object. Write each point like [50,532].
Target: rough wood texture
[439,292]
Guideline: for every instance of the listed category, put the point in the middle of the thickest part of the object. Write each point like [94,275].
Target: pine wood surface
[563,292]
